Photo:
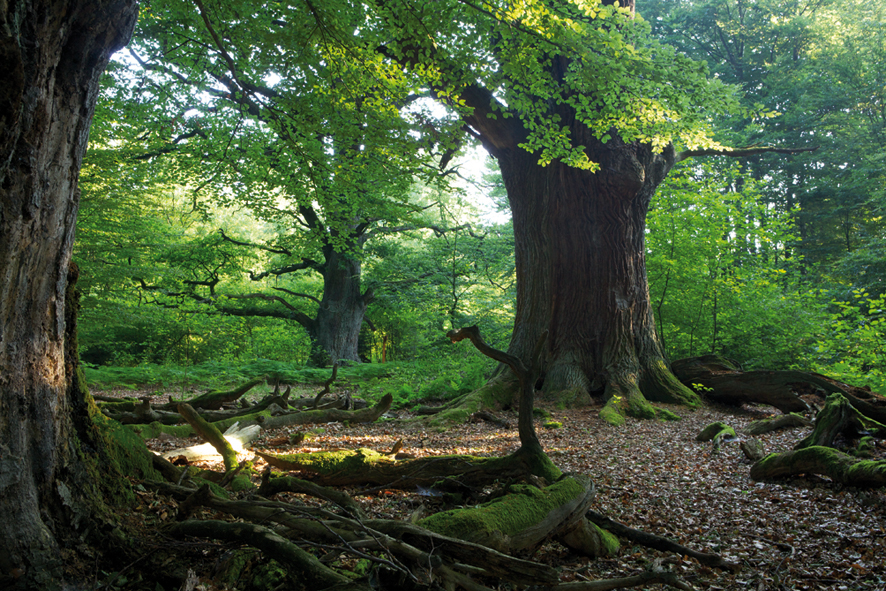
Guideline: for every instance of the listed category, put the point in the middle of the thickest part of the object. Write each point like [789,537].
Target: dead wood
[723,381]
[413,546]
[752,449]
[221,415]
[326,385]
[211,434]
[215,399]
[332,415]
[658,542]
[368,467]
[237,437]
[776,423]
[651,577]
[824,461]
[305,568]
[271,486]
[840,417]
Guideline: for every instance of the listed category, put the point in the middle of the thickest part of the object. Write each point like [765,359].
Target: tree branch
[740,152]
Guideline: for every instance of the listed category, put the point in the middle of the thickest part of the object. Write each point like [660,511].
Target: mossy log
[368,467]
[824,461]
[527,516]
[776,423]
[303,566]
[236,437]
[837,417]
[752,449]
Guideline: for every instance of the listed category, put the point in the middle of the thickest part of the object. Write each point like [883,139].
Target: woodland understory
[801,533]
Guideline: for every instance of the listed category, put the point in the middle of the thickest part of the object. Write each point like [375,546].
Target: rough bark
[581,272]
[51,54]
[336,328]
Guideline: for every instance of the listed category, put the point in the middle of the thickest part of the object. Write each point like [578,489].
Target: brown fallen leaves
[802,534]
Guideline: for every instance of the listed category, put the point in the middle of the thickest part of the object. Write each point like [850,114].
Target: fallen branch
[825,461]
[332,415]
[658,542]
[211,434]
[305,568]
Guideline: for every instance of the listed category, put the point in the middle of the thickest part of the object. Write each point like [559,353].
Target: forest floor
[805,533]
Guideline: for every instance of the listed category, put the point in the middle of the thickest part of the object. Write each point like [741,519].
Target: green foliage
[720,277]
[852,348]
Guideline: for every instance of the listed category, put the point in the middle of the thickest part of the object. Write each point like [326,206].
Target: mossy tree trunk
[52,54]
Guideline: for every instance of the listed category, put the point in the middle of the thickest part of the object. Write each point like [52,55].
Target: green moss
[664,414]
[611,414]
[153,430]
[496,393]
[865,447]
[540,413]
[715,430]
[608,540]
[553,425]
[241,482]
[496,521]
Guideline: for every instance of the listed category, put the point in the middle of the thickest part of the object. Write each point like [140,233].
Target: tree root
[658,542]
[309,570]
[837,466]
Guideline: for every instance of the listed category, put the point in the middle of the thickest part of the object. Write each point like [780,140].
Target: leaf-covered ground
[806,533]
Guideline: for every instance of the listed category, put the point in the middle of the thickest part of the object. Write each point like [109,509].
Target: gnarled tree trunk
[581,271]
[51,54]
[336,328]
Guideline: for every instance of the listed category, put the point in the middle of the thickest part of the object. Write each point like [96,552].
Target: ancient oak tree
[51,55]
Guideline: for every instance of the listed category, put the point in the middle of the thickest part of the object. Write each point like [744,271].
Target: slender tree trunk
[340,316]
[52,54]
[581,270]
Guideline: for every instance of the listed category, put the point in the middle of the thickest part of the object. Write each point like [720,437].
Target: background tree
[277,116]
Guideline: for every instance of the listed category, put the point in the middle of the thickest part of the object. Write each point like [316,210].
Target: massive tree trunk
[51,54]
[336,328]
[581,270]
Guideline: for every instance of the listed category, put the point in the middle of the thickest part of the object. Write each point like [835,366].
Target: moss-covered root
[303,566]
[716,432]
[496,393]
[775,423]
[824,461]
[590,539]
[659,384]
[839,416]
[628,401]
[520,520]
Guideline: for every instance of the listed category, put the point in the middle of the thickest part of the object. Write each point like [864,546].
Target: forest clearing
[805,532]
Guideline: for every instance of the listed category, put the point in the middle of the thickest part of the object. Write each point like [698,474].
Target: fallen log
[215,399]
[211,434]
[824,461]
[368,467]
[723,381]
[839,416]
[238,438]
[718,433]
